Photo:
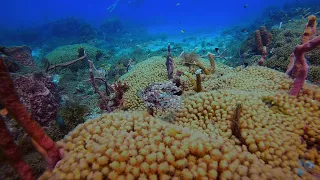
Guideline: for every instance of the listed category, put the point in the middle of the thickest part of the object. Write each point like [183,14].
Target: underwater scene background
[141,89]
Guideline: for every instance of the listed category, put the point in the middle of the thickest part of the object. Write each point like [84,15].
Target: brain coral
[138,146]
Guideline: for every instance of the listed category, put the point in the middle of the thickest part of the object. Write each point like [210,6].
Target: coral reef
[263,39]
[154,70]
[299,69]
[136,145]
[70,52]
[209,121]
[163,96]
[20,54]
[112,97]
[169,63]
[40,96]
[12,153]
[284,41]
[72,114]
[10,100]
[261,127]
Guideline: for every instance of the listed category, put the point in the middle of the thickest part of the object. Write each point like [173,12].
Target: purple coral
[162,96]
[40,96]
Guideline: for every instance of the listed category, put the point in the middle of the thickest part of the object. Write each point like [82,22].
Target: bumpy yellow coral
[144,73]
[273,136]
[136,145]
[198,143]
[124,145]
[254,78]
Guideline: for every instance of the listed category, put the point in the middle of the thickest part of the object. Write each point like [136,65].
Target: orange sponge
[310,29]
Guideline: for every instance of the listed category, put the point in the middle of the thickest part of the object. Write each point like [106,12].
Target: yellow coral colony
[198,142]
[136,145]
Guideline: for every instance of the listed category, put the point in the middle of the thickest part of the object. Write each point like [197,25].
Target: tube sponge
[212,63]
[310,29]
[13,154]
[299,52]
[11,101]
[258,39]
[300,65]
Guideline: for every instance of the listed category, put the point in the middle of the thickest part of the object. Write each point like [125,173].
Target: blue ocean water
[165,16]
[40,24]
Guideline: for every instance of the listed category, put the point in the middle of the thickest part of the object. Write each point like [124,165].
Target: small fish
[60,122]
[244,30]
[178,4]
[182,30]
[246,5]
[217,50]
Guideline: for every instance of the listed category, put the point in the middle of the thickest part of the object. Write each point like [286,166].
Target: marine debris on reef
[10,100]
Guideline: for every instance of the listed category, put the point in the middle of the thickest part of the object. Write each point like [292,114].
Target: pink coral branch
[299,52]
